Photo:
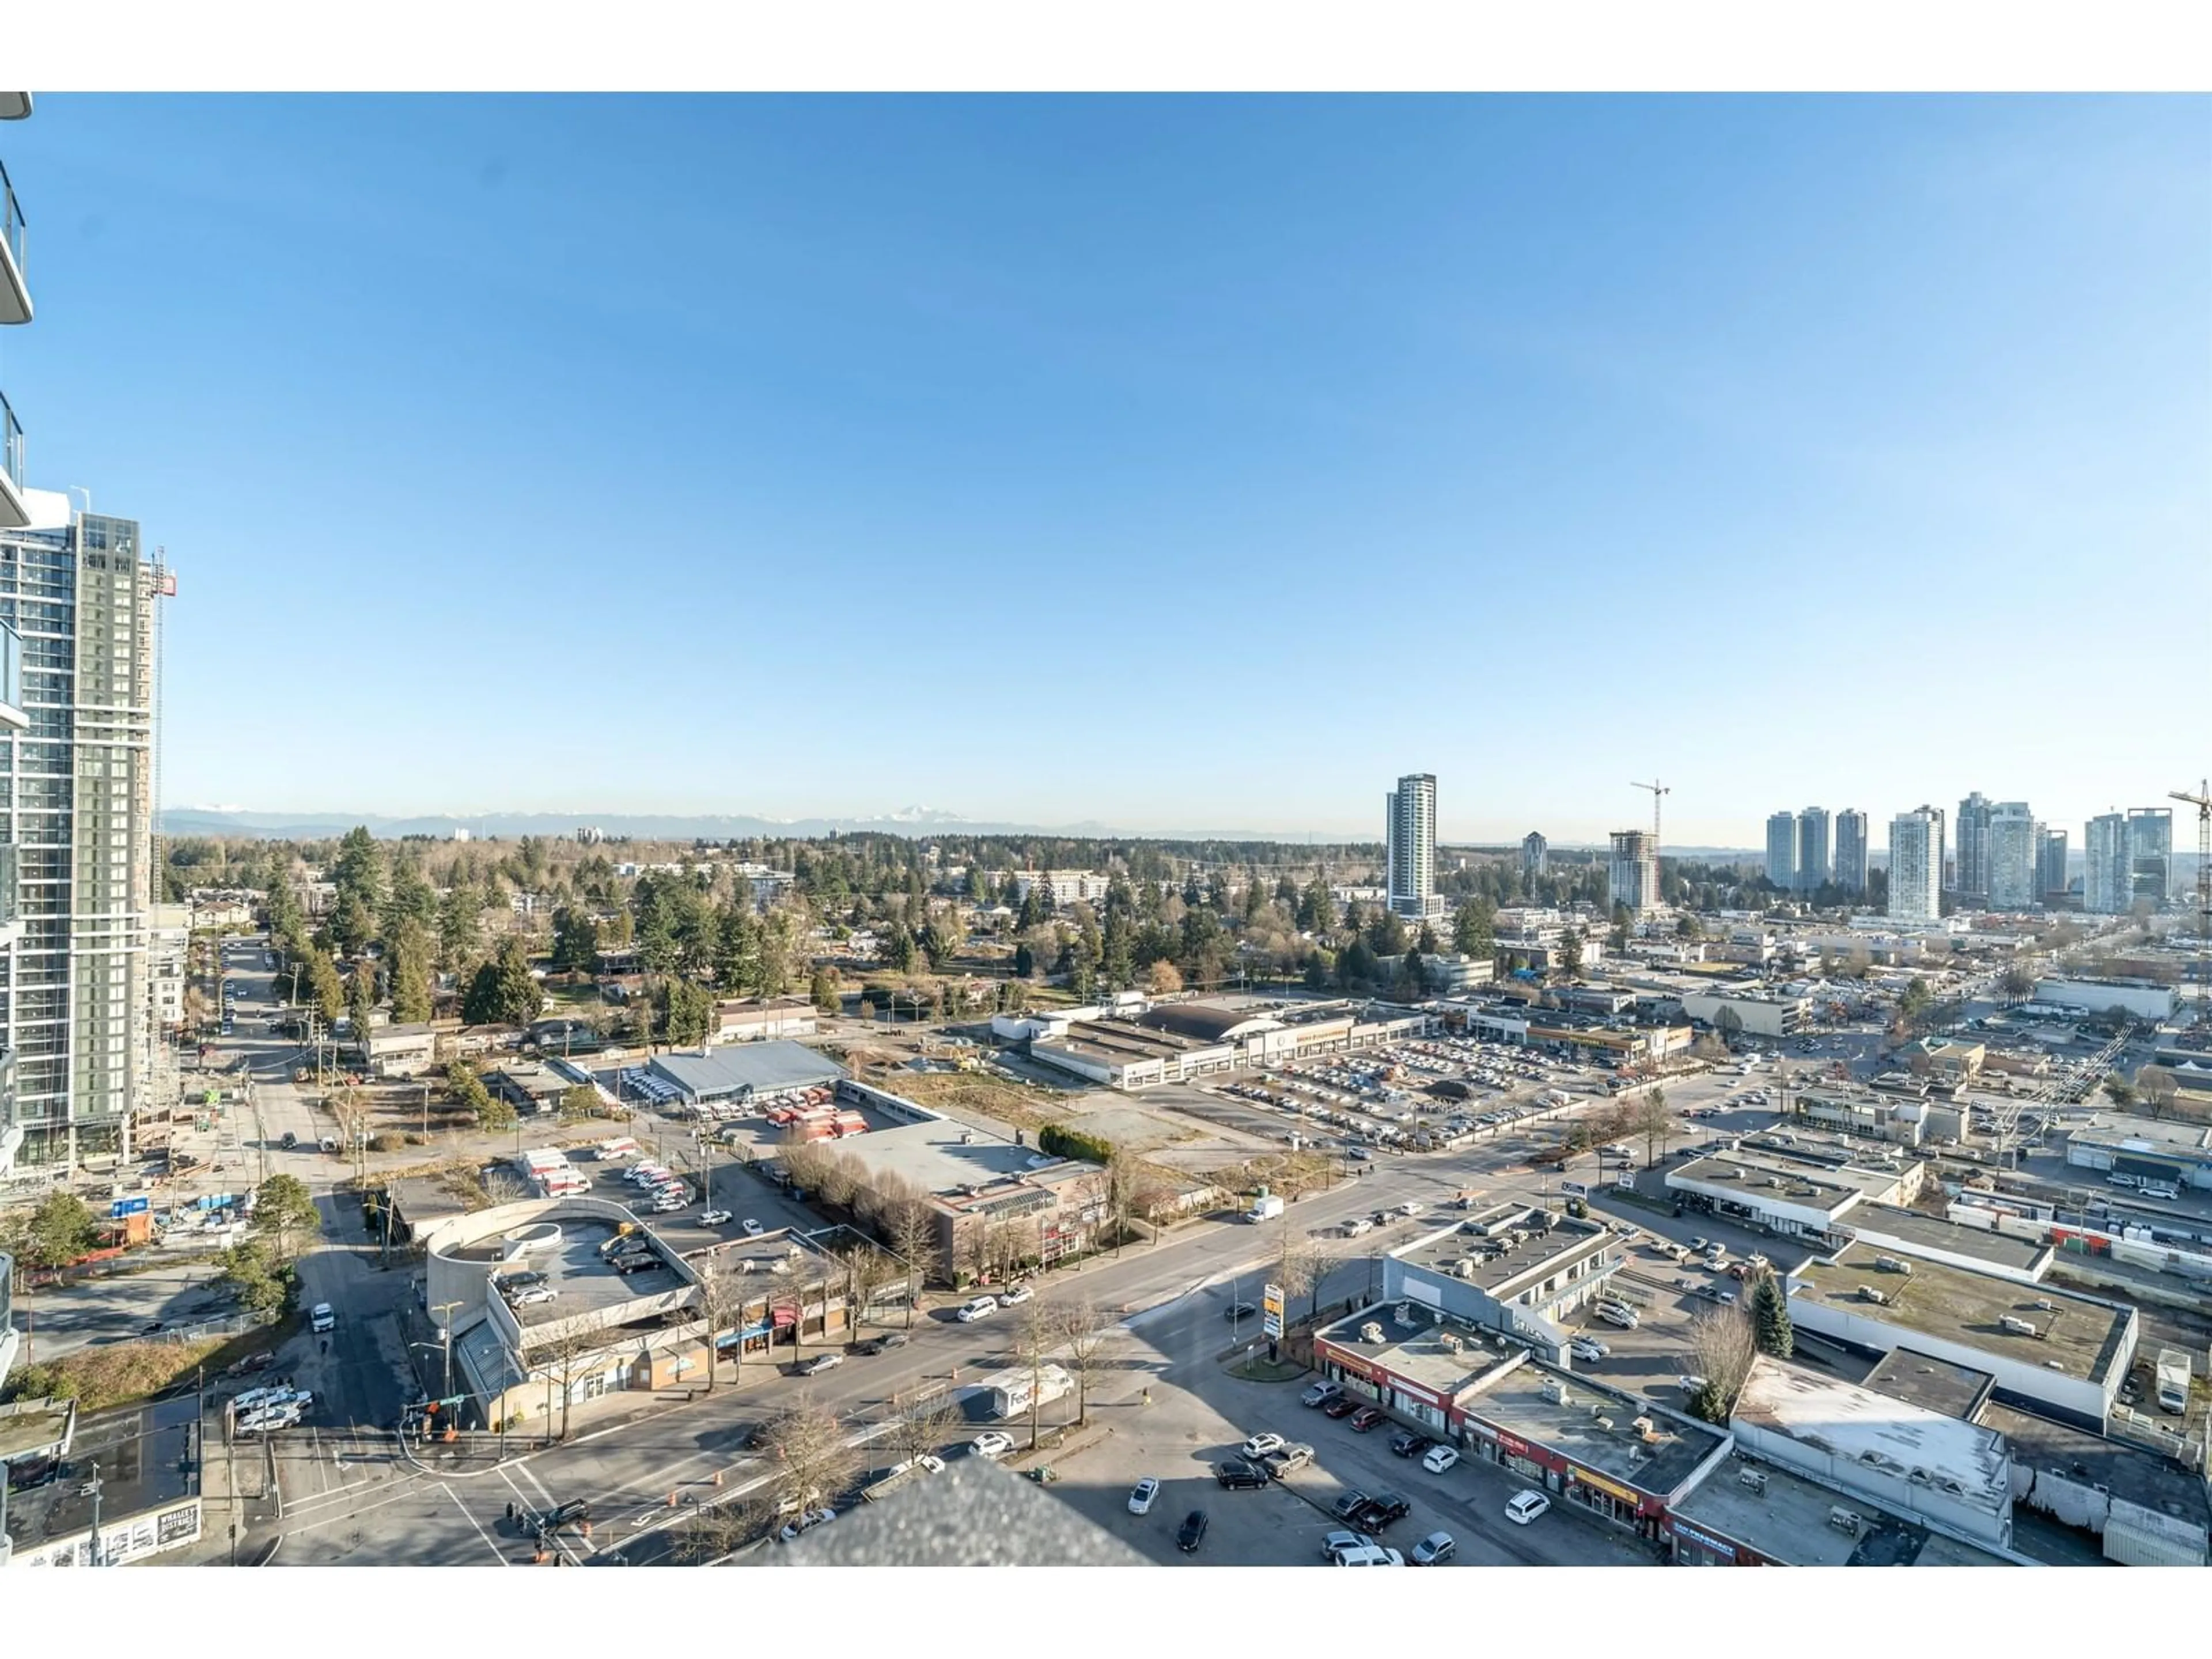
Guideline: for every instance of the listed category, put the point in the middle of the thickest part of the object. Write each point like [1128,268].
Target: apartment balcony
[15,286]
[14,515]
[12,717]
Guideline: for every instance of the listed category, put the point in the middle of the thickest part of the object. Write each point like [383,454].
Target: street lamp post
[445,1309]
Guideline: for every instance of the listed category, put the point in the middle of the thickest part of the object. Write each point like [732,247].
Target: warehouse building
[2156,1149]
[1952,1476]
[2146,1511]
[740,1072]
[1749,1513]
[2054,1351]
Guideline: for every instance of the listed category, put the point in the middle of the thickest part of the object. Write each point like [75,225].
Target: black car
[1236,1310]
[1192,1532]
[885,1343]
[1349,1505]
[290,1140]
[1237,1473]
[1379,1511]
[575,1512]
[1407,1443]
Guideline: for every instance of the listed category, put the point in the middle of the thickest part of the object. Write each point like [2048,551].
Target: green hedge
[1072,1143]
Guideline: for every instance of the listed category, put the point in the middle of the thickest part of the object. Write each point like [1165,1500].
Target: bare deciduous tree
[1035,1338]
[810,1453]
[722,1297]
[910,1229]
[710,1533]
[1724,1343]
[1654,1120]
[921,1422]
[1301,1263]
[1084,1329]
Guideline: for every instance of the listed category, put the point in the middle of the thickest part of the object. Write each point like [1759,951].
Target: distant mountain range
[912,821]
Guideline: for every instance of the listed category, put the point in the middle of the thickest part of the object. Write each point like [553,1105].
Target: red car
[1343,1406]
[1366,1418]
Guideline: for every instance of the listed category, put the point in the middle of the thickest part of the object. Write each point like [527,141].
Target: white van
[322,1317]
[1614,1313]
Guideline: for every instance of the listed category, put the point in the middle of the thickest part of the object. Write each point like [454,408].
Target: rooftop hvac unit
[1464,1268]
[1450,1343]
[1844,1520]
[1605,1423]
[1749,1479]
[1556,1392]
[1371,1332]
[2017,1327]
[1867,1293]
[2045,1303]
[1402,1313]
[1890,1264]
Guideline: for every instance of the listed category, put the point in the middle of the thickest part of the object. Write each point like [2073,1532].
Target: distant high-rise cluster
[1808,850]
[1972,877]
[2150,852]
[2010,857]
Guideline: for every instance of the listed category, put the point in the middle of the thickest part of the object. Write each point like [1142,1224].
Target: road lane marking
[497,1552]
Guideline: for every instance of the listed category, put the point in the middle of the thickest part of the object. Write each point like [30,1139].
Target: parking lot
[1180,1437]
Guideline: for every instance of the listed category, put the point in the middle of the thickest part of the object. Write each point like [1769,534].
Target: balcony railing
[15,293]
[11,456]
[11,710]
[9,910]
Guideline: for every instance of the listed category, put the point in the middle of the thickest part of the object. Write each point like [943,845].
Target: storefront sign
[785,1316]
[1611,1489]
[1684,1530]
[1512,1443]
[1413,1393]
[1271,1310]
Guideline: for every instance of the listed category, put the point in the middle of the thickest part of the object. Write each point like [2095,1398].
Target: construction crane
[1657,789]
[2202,800]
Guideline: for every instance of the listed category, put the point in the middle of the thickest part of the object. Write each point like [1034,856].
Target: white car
[1587,1347]
[1524,1507]
[1015,1296]
[1261,1444]
[750,1228]
[990,1444]
[1440,1458]
[981,1308]
[1141,1496]
[807,1521]
[1689,1383]
[713,1218]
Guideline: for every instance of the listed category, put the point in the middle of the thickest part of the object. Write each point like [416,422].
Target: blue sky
[1166,463]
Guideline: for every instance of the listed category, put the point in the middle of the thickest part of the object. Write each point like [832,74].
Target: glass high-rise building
[1535,855]
[1410,844]
[1916,866]
[79,809]
[1812,848]
[1782,851]
[2011,866]
[2108,876]
[2051,876]
[2150,852]
[1851,850]
[1632,876]
[1973,847]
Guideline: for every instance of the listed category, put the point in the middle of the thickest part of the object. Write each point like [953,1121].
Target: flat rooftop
[142,1451]
[2156,1135]
[944,1156]
[579,1279]
[2134,1473]
[2081,1335]
[1786,1519]
[1121,1042]
[1731,1172]
[1914,1227]
[1567,1241]
[763,1067]
[1418,1351]
[31,1427]
[1517,1403]
[1932,1384]
[1855,1424]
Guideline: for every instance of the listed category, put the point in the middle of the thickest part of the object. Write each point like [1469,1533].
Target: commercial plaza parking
[1207,1415]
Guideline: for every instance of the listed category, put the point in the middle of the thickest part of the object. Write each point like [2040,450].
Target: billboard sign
[1271,1310]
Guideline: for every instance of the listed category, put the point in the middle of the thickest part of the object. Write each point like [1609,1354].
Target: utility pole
[445,1310]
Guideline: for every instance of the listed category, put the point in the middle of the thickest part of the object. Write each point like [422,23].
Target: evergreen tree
[1770,1315]
[409,964]
[504,991]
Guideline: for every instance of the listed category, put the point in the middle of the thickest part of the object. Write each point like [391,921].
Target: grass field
[993,1097]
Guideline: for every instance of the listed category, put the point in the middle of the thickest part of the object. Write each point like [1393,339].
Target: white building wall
[1859,1324]
[1895,1492]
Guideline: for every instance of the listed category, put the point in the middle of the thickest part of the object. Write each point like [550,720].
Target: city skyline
[798,393]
